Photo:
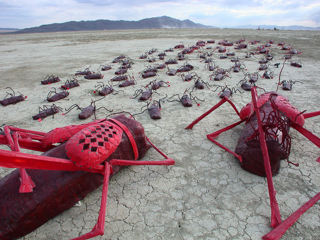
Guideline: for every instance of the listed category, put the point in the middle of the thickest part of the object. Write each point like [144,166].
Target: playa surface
[206,194]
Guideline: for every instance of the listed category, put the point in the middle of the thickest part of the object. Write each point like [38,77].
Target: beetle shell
[105,91]
[86,112]
[145,95]
[127,83]
[282,104]
[58,96]
[45,113]
[94,144]
[198,84]
[12,100]
[186,101]
[246,86]
[154,112]
[93,76]
[250,149]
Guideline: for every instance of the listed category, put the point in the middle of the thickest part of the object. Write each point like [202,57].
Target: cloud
[96,2]
[219,13]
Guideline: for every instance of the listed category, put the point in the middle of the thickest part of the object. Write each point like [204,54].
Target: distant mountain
[294,27]
[156,22]
[8,30]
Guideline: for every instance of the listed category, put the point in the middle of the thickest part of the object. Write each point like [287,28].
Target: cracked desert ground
[206,194]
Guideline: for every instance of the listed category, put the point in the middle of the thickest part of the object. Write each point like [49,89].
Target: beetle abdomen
[276,127]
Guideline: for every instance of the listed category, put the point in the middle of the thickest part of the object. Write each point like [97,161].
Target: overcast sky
[218,13]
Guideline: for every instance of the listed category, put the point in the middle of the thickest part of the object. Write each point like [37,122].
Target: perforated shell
[94,144]
[282,104]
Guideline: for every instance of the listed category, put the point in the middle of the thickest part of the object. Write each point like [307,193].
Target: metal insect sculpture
[265,140]
[84,72]
[105,67]
[296,64]
[268,74]
[226,91]
[188,77]
[219,74]
[158,84]
[186,67]
[200,84]
[121,71]
[50,79]
[93,75]
[287,85]
[45,111]
[149,72]
[186,99]
[54,96]
[252,77]
[70,84]
[86,157]
[171,72]
[154,110]
[11,98]
[238,66]
[87,111]
[145,94]
[143,56]
[119,78]
[105,89]
[246,85]
[128,82]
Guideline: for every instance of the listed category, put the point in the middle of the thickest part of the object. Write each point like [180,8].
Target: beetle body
[70,84]
[12,100]
[94,76]
[145,95]
[127,83]
[45,112]
[87,112]
[84,72]
[148,74]
[106,90]
[50,79]
[154,111]
[246,86]
[106,67]
[186,101]
[296,64]
[58,96]
[172,72]
[119,78]
[121,71]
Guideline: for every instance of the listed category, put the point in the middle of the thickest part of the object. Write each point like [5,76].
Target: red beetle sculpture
[87,155]
[264,142]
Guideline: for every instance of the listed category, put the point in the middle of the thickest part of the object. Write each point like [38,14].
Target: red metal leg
[313,138]
[213,135]
[168,161]
[27,184]
[277,232]
[311,114]
[98,229]
[222,101]
[11,159]
[275,212]
[27,139]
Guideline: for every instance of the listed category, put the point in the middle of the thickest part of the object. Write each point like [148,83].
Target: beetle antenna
[280,75]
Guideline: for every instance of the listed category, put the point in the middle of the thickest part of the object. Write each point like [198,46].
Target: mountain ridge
[146,23]
[292,27]
[101,24]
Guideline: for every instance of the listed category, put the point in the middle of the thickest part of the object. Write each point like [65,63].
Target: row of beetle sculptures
[77,159]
